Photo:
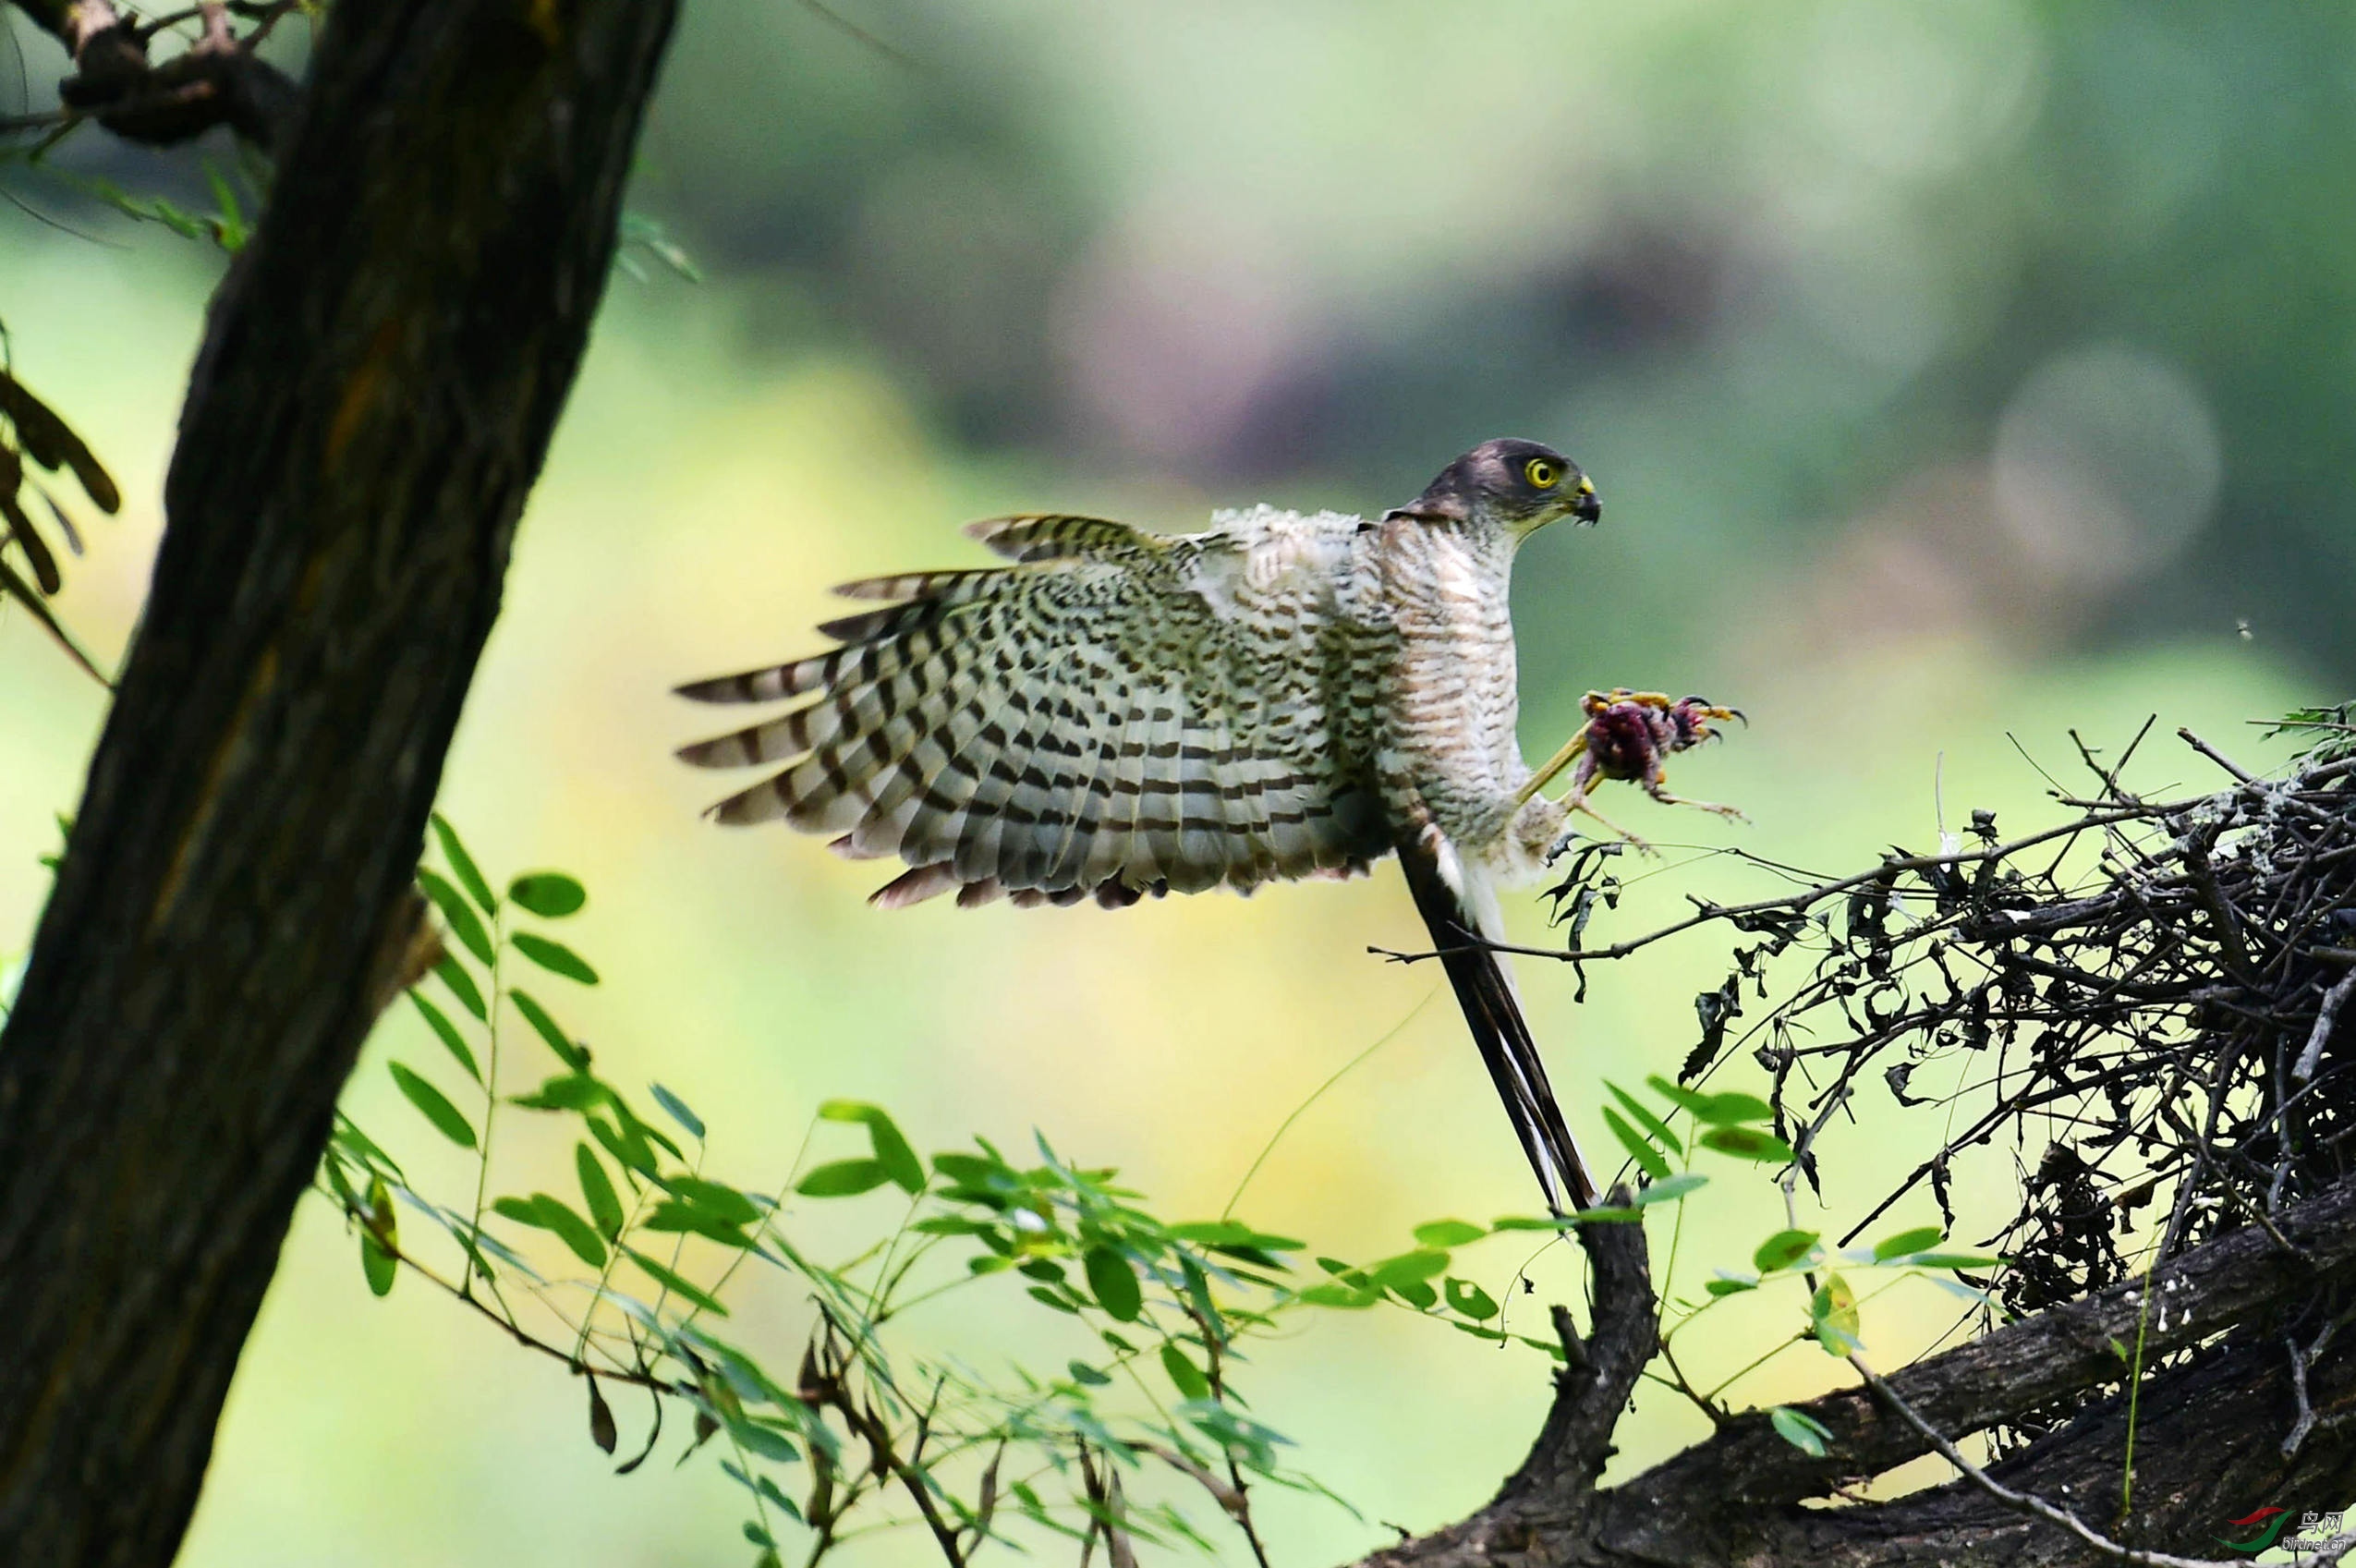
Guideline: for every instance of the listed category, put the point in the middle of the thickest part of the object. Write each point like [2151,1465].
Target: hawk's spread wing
[1116,713]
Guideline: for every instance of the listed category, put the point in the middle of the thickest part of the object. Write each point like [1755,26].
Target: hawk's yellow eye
[1542,474]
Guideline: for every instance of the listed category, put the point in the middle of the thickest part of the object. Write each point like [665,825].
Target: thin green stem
[2135,1383]
[1315,1095]
[490,1105]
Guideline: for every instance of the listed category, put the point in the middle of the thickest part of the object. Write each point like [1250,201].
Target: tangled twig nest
[2163,1030]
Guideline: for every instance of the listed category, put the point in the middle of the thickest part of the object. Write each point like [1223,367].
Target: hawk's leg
[1570,753]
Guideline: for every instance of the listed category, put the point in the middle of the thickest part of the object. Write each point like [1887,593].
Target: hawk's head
[1519,485]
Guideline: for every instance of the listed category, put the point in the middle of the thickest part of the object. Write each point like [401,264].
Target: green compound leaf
[676,1109]
[1833,1313]
[542,1024]
[1646,1118]
[844,1178]
[462,864]
[1468,1298]
[1717,1109]
[555,1214]
[1673,1189]
[552,895]
[1233,1235]
[1407,1269]
[1114,1283]
[553,956]
[465,924]
[434,1105]
[892,1151]
[1335,1292]
[717,1198]
[1648,1159]
[1448,1232]
[673,1216]
[677,1285]
[440,1023]
[1803,1432]
[1919,1239]
[1746,1143]
[462,986]
[1185,1375]
[377,1266]
[1783,1249]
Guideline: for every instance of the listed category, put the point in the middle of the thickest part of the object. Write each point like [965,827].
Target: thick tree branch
[2207,1429]
[376,391]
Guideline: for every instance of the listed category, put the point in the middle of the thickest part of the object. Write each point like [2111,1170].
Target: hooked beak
[1587,510]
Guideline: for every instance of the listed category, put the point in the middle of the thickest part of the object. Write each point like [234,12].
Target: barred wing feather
[1116,713]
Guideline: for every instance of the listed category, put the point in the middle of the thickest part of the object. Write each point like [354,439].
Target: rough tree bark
[2208,1446]
[374,397]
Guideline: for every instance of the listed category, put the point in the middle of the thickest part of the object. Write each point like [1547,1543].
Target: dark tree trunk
[374,397]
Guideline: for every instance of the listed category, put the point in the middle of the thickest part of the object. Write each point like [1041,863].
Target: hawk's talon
[1577,801]
[1733,813]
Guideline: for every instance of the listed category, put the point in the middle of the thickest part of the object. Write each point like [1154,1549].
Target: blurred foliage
[31,433]
[1164,1314]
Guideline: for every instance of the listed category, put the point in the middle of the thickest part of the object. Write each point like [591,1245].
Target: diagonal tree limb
[2204,1455]
[2029,1363]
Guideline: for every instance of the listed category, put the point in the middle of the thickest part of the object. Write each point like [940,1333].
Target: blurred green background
[1953,374]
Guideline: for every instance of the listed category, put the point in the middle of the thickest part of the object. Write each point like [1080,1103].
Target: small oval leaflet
[1834,1313]
[462,986]
[554,958]
[552,895]
[448,1034]
[377,1265]
[1185,1375]
[465,924]
[676,1109]
[1448,1232]
[557,1215]
[676,1284]
[892,1152]
[567,1051]
[597,1189]
[1114,1283]
[1640,1148]
[844,1178]
[1748,1143]
[1921,1239]
[462,864]
[1783,1249]
[1803,1432]
[434,1105]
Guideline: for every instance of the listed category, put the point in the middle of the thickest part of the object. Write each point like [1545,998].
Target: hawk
[1118,713]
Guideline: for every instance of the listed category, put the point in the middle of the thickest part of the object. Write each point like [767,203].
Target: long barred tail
[1493,1013]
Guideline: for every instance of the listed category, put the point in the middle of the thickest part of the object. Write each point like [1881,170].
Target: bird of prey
[1118,713]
